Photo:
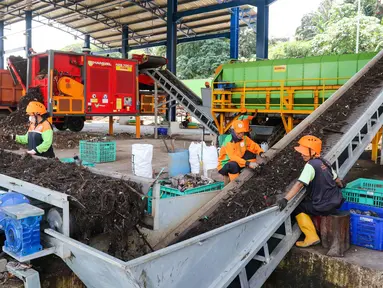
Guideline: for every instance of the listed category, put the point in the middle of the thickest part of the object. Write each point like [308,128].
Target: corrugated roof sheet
[103,20]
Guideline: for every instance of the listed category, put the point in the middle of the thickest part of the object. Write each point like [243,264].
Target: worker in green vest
[39,137]
[323,189]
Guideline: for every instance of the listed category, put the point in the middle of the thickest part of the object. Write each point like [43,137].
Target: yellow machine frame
[224,111]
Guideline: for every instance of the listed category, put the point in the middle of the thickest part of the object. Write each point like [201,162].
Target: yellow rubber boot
[226,180]
[233,176]
[308,228]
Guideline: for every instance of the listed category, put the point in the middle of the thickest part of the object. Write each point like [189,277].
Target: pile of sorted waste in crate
[187,181]
[183,185]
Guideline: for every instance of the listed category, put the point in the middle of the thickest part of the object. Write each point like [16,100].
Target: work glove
[31,152]
[254,165]
[262,155]
[282,203]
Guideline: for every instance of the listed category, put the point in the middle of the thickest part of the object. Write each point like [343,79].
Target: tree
[315,23]
[368,7]
[200,59]
[340,37]
[294,49]
[247,43]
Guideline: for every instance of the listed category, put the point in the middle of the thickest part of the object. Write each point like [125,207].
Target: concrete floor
[123,163]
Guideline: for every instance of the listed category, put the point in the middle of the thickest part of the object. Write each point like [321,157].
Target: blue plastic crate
[364,191]
[226,85]
[168,192]
[98,152]
[366,231]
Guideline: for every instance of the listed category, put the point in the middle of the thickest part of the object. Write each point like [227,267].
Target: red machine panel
[111,86]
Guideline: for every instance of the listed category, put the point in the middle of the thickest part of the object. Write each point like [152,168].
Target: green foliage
[295,49]
[340,37]
[332,29]
[200,59]
[315,22]
[247,43]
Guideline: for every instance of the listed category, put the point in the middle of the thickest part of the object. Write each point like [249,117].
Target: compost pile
[104,204]
[269,184]
[17,121]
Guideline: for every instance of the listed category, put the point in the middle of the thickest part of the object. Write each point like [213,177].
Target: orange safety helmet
[239,126]
[35,107]
[309,146]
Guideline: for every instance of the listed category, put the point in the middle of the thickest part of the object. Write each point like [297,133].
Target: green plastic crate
[168,192]
[71,160]
[98,152]
[364,191]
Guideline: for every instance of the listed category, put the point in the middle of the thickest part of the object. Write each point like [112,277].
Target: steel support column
[171,49]
[234,33]
[2,45]
[125,42]
[86,48]
[262,30]
[28,31]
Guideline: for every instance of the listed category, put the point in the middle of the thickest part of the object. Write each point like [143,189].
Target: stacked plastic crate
[364,200]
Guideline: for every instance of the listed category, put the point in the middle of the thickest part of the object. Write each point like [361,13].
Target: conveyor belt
[18,68]
[152,62]
[178,91]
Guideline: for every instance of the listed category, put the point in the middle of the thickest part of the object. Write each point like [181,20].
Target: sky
[285,16]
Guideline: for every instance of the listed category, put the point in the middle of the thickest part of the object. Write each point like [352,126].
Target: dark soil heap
[17,121]
[255,194]
[108,205]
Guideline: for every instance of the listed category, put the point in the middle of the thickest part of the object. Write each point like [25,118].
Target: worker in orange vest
[237,152]
[39,137]
[323,189]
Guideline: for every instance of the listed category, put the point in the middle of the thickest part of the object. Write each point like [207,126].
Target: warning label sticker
[280,68]
[124,67]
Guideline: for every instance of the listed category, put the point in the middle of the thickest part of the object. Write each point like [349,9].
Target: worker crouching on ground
[323,189]
[237,152]
[187,120]
[39,137]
